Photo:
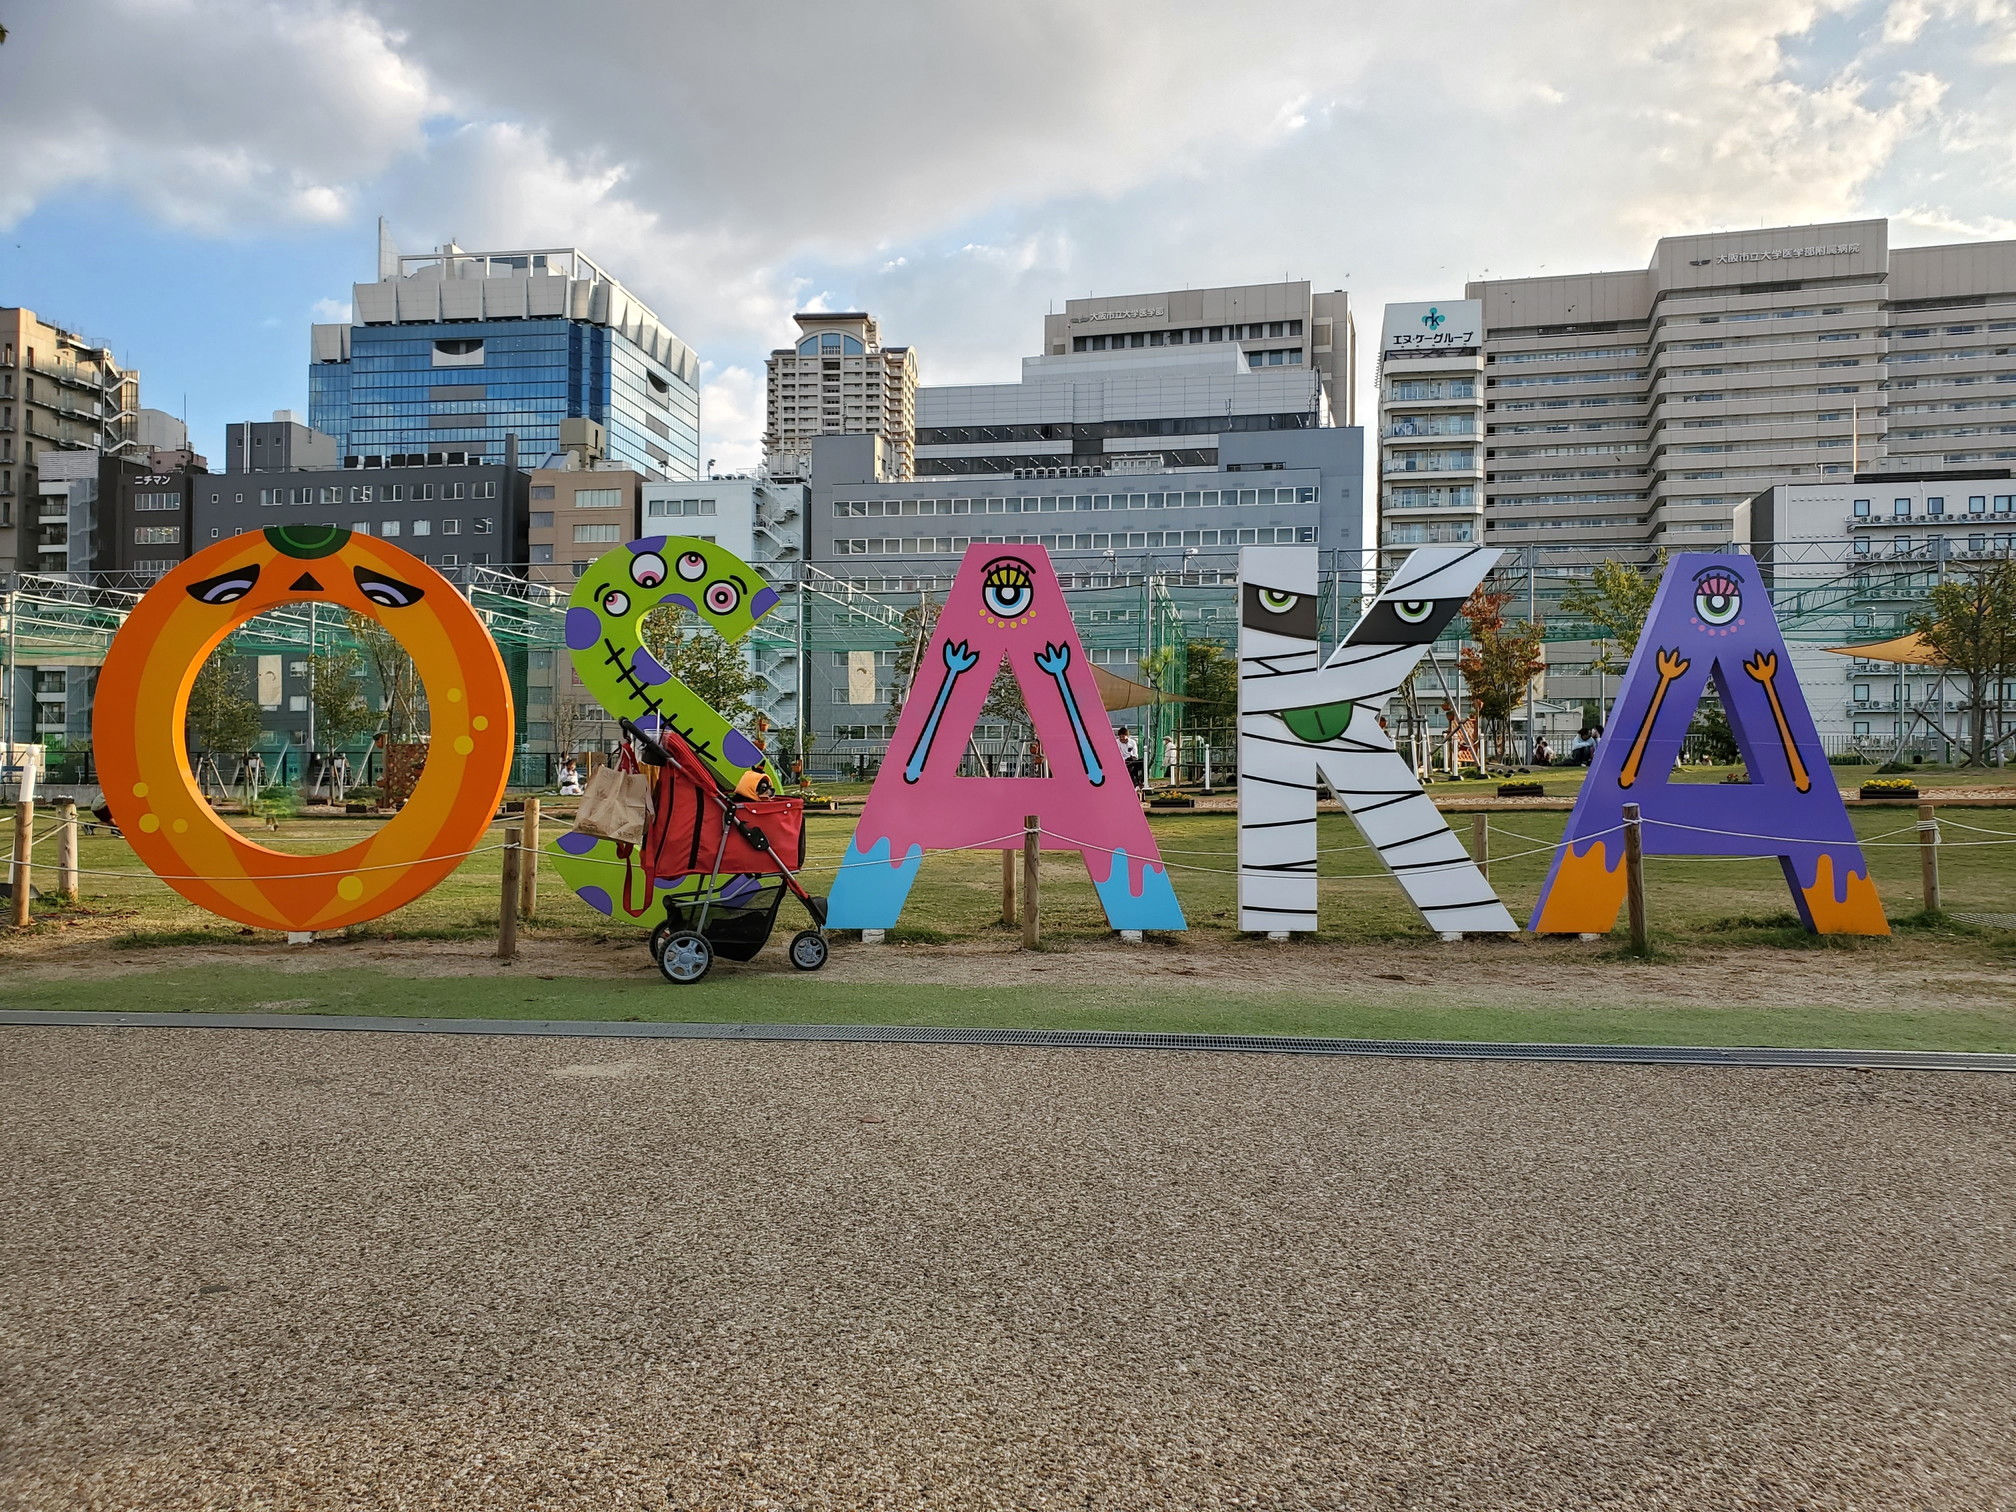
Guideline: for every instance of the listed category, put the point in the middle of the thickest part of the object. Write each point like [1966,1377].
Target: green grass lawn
[958,895]
[1352,1011]
[1696,906]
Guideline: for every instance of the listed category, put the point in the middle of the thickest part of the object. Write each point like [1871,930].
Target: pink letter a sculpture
[1004,603]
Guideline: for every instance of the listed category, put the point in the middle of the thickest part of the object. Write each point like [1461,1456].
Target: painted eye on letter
[389,591]
[1006,590]
[226,587]
[1413,611]
[647,569]
[616,603]
[1276,602]
[1718,597]
[692,566]
[721,597]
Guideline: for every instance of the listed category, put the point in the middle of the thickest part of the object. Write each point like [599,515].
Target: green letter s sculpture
[604,615]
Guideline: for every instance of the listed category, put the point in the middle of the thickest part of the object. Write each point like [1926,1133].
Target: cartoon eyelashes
[1007,592]
[1718,597]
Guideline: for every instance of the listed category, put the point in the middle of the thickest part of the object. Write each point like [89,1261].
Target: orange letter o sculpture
[143,701]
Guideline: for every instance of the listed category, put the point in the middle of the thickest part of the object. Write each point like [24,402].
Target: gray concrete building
[1875,544]
[1643,408]
[455,516]
[1103,530]
[1151,379]
[282,444]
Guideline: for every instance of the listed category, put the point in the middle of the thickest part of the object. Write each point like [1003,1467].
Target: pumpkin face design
[604,636]
[142,705]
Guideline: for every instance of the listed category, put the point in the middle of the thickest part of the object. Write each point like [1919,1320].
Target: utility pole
[1533,615]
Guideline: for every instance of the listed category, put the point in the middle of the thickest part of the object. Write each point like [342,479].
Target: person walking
[1130,752]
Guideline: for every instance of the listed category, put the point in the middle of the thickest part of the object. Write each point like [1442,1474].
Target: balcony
[1430,533]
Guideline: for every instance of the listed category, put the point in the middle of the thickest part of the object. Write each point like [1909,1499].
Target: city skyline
[1368,152]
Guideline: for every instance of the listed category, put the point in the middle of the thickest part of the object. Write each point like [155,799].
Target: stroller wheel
[687,957]
[808,950]
[659,936]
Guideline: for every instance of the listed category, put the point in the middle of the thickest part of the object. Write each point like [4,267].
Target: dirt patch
[1515,971]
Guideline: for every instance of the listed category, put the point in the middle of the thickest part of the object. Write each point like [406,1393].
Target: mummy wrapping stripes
[1301,718]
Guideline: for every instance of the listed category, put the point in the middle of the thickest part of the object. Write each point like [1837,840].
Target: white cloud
[217,116]
[331,311]
[957,167]
[731,418]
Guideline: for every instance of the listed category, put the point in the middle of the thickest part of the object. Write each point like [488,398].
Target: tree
[1616,600]
[918,623]
[1499,665]
[397,678]
[1211,683]
[223,714]
[342,712]
[715,669]
[1969,623]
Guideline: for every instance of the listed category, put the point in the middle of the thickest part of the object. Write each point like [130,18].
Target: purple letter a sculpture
[1712,618]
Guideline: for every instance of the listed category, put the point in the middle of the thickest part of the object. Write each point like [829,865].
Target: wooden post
[528,863]
[1031,900]
[1008,887]
[1928,856]
[66,849]
[1634,875]
[507,907]
[24,837]
[1480,843]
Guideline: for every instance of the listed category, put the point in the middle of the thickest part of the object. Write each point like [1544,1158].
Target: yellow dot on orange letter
[464,745]
[481,722]
[350,889]
[139,790]
[149,823]
[180,826]
[454,695]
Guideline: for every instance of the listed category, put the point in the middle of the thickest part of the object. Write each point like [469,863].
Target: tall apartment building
[58,392]
[1638,409]
[1151,379]
[1431,425]
[839,380]
[459,351]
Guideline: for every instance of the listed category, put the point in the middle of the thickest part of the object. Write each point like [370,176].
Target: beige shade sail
[1905,648]
[1117,692]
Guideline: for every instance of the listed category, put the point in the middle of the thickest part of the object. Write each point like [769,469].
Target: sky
[196,181]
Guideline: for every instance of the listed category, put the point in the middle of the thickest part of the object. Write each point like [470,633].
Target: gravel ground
[306,1271]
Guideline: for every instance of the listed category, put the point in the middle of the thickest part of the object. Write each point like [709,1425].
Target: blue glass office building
[457,351]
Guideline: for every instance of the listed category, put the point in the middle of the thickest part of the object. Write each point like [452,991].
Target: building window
[587,535]
[542,553]
[423,527]
[1900,507]
[157,535]
[541,519]
[1861,509]
[388,528]
[542,490]
[1977,504]
[146,501]
[1935,506]
[451,527]
[480,527]
[679,509]
[598,498]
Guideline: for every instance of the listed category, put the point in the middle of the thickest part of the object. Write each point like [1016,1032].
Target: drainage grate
[1992,921]
[1060,1039]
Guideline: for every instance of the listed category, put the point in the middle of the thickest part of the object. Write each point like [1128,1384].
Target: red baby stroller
[742,854]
